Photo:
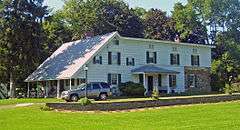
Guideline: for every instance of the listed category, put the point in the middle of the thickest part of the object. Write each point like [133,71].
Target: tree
[158,26]
[188,25]
[21,37]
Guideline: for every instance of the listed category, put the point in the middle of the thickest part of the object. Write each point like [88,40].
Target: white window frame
[97,59]
[195,63]
[151,56]
[175,58]
[114,79]
[114,58]
[192,77]
[174,80]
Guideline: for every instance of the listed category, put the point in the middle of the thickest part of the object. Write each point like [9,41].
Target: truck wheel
[74,98]
[103,96]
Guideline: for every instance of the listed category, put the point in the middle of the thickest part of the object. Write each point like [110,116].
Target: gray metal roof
[153,69]
[69,58]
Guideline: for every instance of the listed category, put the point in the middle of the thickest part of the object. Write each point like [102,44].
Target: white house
[168,66]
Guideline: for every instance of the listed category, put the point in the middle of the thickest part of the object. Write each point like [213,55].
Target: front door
[150,83]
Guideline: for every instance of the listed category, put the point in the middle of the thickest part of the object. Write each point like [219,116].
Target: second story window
[114,58]
[195,60]
[151,57]
[174,59]
[97,60]
[130,61]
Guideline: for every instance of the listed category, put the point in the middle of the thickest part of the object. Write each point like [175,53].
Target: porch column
[47,88]
[58,88]
[28,90]
[70,84]
[144,83]
[167,83]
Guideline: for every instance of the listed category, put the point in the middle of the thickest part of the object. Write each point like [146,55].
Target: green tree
[158,26]
[21,37]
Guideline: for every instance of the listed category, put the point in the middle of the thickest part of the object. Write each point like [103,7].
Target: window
[195,50]
[96,86]
[195,60]
[151,46]
[151,57]
[72,82]
[130,61]
[174,49]
[114,79]
[105,85]
[116,42]
[192,80]
[97,60]
[172,80]
[174,59]
[114,58]
[67,82]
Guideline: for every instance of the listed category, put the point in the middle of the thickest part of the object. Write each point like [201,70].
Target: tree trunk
[12,86]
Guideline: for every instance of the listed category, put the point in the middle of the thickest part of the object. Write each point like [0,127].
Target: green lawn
[203,116]
[28,100]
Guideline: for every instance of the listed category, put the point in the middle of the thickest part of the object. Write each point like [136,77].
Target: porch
[163,80]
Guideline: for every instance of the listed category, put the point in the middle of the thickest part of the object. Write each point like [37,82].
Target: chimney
[177,39]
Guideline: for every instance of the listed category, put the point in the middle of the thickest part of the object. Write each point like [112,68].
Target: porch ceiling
[153,69]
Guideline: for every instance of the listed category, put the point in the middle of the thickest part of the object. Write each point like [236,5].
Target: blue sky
[165,5]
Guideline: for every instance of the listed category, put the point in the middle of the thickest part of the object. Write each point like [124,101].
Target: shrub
[132,89]
[46,108]
[85,101]
[228,89]
[155,93]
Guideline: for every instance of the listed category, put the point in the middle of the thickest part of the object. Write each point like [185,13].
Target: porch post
[47,88]
[28,90]
[144,83]
[70,84]
[58,88]
[167,82]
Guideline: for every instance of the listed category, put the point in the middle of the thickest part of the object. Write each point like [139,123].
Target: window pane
[96,86]
[114,79]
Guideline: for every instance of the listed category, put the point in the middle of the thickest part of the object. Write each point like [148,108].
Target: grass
[28,100]
[203,116]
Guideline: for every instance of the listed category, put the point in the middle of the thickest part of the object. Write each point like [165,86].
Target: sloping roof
[69,58]
[153,69]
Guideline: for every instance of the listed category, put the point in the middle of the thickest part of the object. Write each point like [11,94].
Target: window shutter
[100,58]
[127,61]
[159,80]
[133,62]
[94,60]
[147,57]
[171,59]
[192,60]
[119,79]
[196,80]
[109,79]
[119,58]
[109,58]
[170,80]
[198,61]
[178,59]
[155,57]
[141,78]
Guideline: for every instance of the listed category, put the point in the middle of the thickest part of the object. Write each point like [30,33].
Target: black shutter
[198,61]
[119,79]
[178,59]
[159,80]
[109,79]
[192,60]
[133,62]
[171,59]
[109,58]
[170,80]
[100,58]
[141,78]
[196,80]
[94,60]
[155,57]
[147,57]
[127,62]
[119,58]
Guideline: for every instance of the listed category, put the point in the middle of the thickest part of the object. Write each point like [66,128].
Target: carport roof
[153,69]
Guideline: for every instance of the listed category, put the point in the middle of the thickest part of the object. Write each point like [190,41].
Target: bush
[132,89]
[228,89]
[85,101]
[46,108]
[155,93]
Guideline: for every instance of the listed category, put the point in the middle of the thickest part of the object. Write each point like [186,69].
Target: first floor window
[114,79]
[172,80]
[192,80]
